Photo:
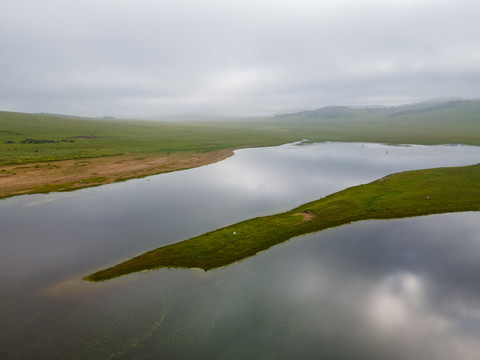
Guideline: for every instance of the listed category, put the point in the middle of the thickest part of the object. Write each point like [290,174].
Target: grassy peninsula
[46,152]
[406,194]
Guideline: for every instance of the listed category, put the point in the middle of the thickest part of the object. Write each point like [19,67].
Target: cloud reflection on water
[379,287]
[369,290]
[399,289]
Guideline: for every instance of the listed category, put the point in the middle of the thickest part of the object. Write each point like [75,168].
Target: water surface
[380,289]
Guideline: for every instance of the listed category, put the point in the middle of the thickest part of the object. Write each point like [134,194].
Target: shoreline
[67,175]
[400,195]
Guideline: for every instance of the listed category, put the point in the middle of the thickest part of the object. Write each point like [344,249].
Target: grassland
[406,194]
[30,138]
[41,152]
[64,153]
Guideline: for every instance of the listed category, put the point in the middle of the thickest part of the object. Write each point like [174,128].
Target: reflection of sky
[128,218]
[329,167]
[399,289]
[403,289]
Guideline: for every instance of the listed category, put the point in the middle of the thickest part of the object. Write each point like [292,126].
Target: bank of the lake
[407,194]
[67,175]
[41,153]
[351,291]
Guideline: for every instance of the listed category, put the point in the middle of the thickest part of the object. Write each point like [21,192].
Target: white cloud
[232,56]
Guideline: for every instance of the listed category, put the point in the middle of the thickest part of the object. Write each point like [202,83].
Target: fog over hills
[145,59]
[336,112]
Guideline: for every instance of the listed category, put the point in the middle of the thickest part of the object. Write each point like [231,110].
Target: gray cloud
[145,58]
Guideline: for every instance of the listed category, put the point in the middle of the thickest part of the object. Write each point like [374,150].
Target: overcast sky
[144,58]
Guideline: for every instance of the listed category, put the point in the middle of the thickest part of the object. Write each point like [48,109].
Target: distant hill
[442,100]
[426,107]
[339,112]
[27,138]
[63,116]
[329,112]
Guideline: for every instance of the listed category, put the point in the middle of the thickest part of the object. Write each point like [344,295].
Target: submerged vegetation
[406,194]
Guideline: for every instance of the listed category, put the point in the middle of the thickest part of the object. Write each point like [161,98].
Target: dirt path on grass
[73,174]
[306,215]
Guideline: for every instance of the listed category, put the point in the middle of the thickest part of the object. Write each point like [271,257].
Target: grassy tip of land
[406,194]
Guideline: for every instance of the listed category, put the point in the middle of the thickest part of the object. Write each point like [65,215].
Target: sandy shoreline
[74,174]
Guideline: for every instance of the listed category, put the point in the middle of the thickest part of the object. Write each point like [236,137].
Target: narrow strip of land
[406,194]
[67,175]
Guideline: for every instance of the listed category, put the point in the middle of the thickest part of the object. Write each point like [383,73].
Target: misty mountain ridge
[337,112]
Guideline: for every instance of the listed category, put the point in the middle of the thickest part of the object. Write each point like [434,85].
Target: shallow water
[379,289]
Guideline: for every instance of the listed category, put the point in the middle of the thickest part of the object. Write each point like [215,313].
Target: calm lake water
[396,289]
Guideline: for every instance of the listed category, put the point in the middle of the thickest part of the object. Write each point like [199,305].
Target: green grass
[52,138]
[406,194]
[26,138]
[68,186]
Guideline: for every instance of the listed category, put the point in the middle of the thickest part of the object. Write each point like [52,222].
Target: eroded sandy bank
[73,174]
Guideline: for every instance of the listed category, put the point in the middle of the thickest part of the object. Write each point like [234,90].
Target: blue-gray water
[397,289]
